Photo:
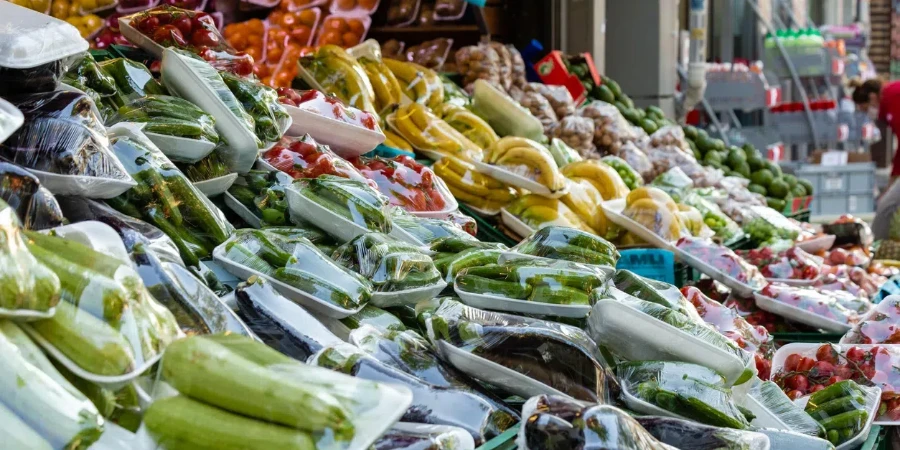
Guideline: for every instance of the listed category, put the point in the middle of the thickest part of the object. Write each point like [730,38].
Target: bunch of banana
[340,74]
[539,211]
[427,132]
[584,200]
[467,123]
[537,160]
[656,211]
[388,92]
[603,177]
[652,193]
[394,140]
[420,84]
[692,219]
[471,187]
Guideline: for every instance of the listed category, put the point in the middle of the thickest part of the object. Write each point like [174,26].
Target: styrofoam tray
[764,417]
[96,235]
[493,373]
[642,406]
[10,119]
[516,180]
[742,289]
[400,234]
[29,38]
[789,440]
[873,400]
[245,214]
[793,282]
[181,149]
[639,337]
[337,226]
[346,140]
[27,315]
[82,186]
[139,39]
[483,212]
[406,297]
[500,303]
[306,300]
[450,206]
[215,186]
[515,224]
[799,315]
[613,210]
[178,77]
[817,244]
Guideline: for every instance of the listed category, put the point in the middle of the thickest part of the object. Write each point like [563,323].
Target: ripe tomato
[255,26]
[288,20]
[794,395]
[167,35]
[148,25]
[856,354]
[238,41]
[368,4]
[345,4]
[833,380]
[301,34]
[843,371]
[356,26]
[805,364]
[273,54]
[797,382]
[822,369]
[816,388]
[283,78]
[183,23]
[203,20]
[827,353]
[203,37]
[790,364]
[331,37]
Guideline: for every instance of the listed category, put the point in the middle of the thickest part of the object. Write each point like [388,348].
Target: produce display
[194,247]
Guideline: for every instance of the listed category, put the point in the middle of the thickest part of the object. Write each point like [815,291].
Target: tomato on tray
[880,326]
[303,157]
[793,263]
[832,305]
[405,182]
[327,106]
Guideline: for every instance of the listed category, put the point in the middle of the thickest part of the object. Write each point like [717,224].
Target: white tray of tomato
[803,368]
[409,185]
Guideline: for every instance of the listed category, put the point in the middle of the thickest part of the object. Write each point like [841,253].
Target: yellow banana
[531,200]
[397,141]
[652,193]
[384,97]
[408,130]
[471,126]
[495,151]
[603,177]
[359,92]
[422,85]
[542,165]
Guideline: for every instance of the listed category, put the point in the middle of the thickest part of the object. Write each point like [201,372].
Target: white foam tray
[799,315]
[516,180]
[500,303]
[181,149]
[345,139]
[216,186]
[613,210]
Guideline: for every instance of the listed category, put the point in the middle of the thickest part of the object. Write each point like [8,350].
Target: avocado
[720,145]
[712,157]
[705,144]
[778,188]
[798,190]
[649,126]
[744,169]
[756,189]
[806,185]
[695,150]
[735,158]
[773,167]
[755,159]
[603,93]
[762,177]
[690,132]
[701,133]
[631,116]
[727,172]
[587,85]
[656,112]
[626,100]
[776,204]
[790,179]
[639,113]
[613,86]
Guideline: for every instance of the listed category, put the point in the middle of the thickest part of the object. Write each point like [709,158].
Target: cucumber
[479,285]
[469,258]
[17,435]
[316,287]
[33,354]
[89,342]
[51,411]
[178,423]
[558,295]
[208,371]
[238,253]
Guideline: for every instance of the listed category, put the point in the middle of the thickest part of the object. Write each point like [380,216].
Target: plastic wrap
[611,130]
[791,264]
[451,264]
[603,177]
[763,223]
[467,123]
[665,158]
[132,80]
[270,119]
[630,177]
[30,287]
[170,116]
[34,205]
[535,280]
[108,328]
[303,406]
[584,200]
[319,238]
[479,62]
[328,106]
[504,60]
[553,422]
[430,54]
[42,78]
[412,436]
[576,132]
[754,339]
[656,211]
[559,97]
[505,115]
[407,183]
[782,410]
[402,12]
[674,182]
[388,264]
[879,326]
[472,187]
[843,409]
[428,133]
[208,168]
[340,74]
[686,390]
[524,158]
[562,153]
[689,435]
[539,107]
[87,76]
[811,301]
[670,136]
[569,244]
[62,136]
[263,194]
[658,292]
[637,159]
[353,201]
[427,230]
[376,318]
[303,157]
[721,224]
[537,212]
[724,260]
[693,221]
[410,353]
[561,357]
[165,198]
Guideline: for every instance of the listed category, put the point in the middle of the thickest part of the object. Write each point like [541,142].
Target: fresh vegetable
[352,200]
[27,283]
[328,106]
[171,116]
[569,244]
[427,230]
[815,301]
[207,168]
[793,263]
[537,280]
[261,102]
[390,265]
[262,192]
[132,80]
[723,259]
[687,434]
[405,182]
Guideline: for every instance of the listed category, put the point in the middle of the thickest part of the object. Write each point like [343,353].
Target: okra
[480,285]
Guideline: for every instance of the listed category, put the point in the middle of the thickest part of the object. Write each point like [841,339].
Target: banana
[408,130]
[396,141]
[519,205]
[542,165]
[470,125]
[422,85]
[384,96]
[604,178]
[539,215]
[495,151]
[345,71]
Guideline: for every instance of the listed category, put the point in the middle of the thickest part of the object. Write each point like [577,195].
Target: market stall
[266,234]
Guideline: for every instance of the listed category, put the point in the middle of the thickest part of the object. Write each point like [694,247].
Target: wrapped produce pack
[560,356]
[29,286]
[427,132]
[537,211]
[406,183]
[388,264]
[690,435]
[637,159]
[569,244]
[472,187]
[518,68]
[427,230]
[235,391]
[170,116]
[559,97]
[340,74]
[63,137]
[466,122]
[656,211]
[410,436]
[768,395]
[133,80]
[353,201]
[584,200]
[41,78]
[562,153]
[87,76]
[670,135]
[667,157]
[878,326]
[270,118]
[263,194]
[303,157]
[207,168]
[35,206]
[165,198]
[539,108]
[685,389]
[718,221]
[505,115]
[479,62]
[557,423]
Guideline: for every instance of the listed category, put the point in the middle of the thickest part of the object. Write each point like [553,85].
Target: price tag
[834,158]
[654,263]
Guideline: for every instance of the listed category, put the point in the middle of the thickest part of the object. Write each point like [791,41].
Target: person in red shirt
[882,101]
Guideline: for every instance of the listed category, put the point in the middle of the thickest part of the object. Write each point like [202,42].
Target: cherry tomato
[822,369]
[368,4]
[805,364]
[301,34]
[167,35]
[203,20]
[148,25]
[827,353]
[856,354]
[816,388]
[336,24]
[843,371]
[797,382]
[794,395]
[183,23]
[331,37]
[790,364]
[203,37]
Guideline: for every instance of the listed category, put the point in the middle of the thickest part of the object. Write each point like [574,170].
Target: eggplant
[414,436]
[688,435]
[34,204]
[431,404]
[281,323]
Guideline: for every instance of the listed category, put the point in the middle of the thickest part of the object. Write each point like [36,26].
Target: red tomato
[167,35]
[203,37]
[797,382]
[805,364]
[827,353]
[203,20]
[790,364]
[843,371]
[833,380]
[856,354]
[822,369]
[148,25]
[816,388]
[183,23]
[794,395]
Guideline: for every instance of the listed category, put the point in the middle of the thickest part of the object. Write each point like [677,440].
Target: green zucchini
[17,435]
[34,355]
[558,295]
[317,287]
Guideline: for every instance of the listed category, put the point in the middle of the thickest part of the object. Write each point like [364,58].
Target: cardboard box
[852,157]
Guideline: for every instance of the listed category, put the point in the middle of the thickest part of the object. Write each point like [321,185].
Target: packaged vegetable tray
[270,118]
[505,116]
[688,434]
[31,290]
[262,194]
[64,143]
[303,157]
[775,410]
[297,269]
[427,230]
[526,356]
[400,273]
[342,207]
[405,435]
[569,244]
[165,198]
[681,389]
[264,400]
[808,306]
[720,263]
[34,205]
[408,184]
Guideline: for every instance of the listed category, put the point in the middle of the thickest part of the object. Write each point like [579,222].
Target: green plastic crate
[878,439]
[506,441]
[487,229]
